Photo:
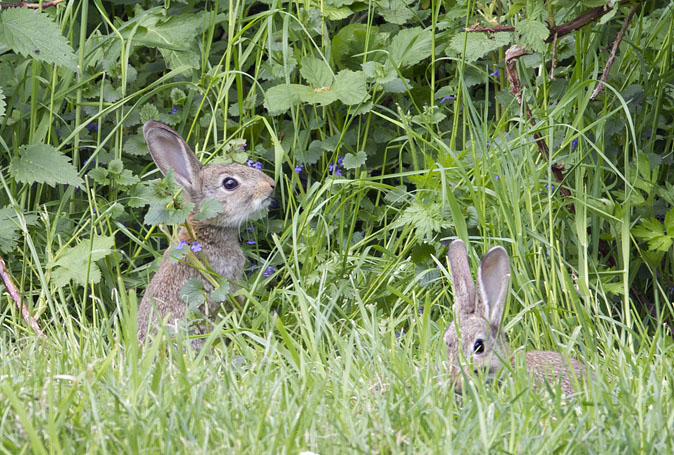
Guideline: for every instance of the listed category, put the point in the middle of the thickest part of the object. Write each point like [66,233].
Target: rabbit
[478,316]
[242,190]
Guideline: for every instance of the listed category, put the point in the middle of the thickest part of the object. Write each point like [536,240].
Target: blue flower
[251,242]
[446,98]
[399,334]
[445,242]
[421,309]
[574,144]
[548,187]
[269,272]
[196,247]
[241,147]
[495,73]
[254,164]
[496,177]
[340,160]
[92,127]
[174,110]
[338,172]
[249,228]
[299,168]
[181,245]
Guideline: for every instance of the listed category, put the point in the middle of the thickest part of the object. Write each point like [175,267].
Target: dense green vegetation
[389,131]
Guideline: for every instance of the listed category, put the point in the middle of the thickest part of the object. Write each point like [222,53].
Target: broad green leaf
[135,145]
[31,33]
[99,175]
[2,104]
[219,294]
[42,163]
[669,222]
[348,45]
[74,263]
[478,44]
[410,46]
[162,213]
[208,208]
[352,161]
[282,97]
[533,34]
[9,228]
[350,87]
[649,229]
[316,72]
[193,293]
[395,11]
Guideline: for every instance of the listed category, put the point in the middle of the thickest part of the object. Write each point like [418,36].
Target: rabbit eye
[230,183]
[478,347]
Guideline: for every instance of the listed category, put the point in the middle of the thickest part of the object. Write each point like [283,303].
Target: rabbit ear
[170,151]
[464,288]
[493,277]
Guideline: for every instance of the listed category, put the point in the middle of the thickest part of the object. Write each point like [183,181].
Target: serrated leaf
[478,44]
[395,11]
[193,293]
[282,97]
[350,87]
[135,145]
[316,72]
[352,161]
[160,213]
[99,175]
[74,263]
[208,208]
[410,46]
[35,34]
[669,222]
[533,34]
[2,104]
[649,229]
[42,163]
[426,219]
[349,43]
[9,228]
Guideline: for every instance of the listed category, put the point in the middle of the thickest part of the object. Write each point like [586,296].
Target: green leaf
[478,44]
[149,112]
[135,145]
[410,46]
[348,44]
[35,34]
[99,175]
[162,213]
[9,228]
[350,87]
[316,72]
[193,292]
[75,262]
[534,34]
[395,11]
[669,222]
[219,294]
[2,104]
[426,219]
[282,97]
[42,163]
[649,229]
[352,161]
[208,208]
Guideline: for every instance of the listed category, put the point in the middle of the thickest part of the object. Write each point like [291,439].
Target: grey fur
[219,236]
[481,320]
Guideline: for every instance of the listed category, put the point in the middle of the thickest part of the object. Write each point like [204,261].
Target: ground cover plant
[390,127]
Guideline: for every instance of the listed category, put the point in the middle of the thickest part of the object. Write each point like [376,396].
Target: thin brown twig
[14,294]
[494,29]
[621,34]
[30,5]
[511,56]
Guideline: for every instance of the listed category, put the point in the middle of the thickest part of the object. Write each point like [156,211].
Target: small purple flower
[181,245]
[254,164]
[421,310]
[299,168]
[445,242]
[58,132]
[196,247]
[496,177]
[488,143]
[547,187]
[495,73]
[249,228]
[331,167]
[447,98]
[251,242]
[340,160]
[269,272]
[574,144]
[252,268]
[241,147]
[338,172]
[174,110]
[399,334]
[92,127]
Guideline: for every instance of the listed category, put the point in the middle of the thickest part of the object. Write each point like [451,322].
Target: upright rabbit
[478,316]
[241,190]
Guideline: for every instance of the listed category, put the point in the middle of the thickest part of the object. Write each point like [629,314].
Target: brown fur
[219,236]
[478,315]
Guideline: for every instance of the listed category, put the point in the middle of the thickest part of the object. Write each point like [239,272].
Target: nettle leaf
[193,293]
[316,72]
[533,34]
[350,87]
[352,161]
[208,208]
[478,44]
[9,228]
[2,104]
[31,33]
[410,46]
[75,262]
[42,163]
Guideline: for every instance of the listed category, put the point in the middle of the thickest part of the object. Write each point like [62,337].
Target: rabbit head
[241,190]
[474,340]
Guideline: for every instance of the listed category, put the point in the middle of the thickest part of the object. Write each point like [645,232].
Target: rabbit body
[479,340]
[241,190]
